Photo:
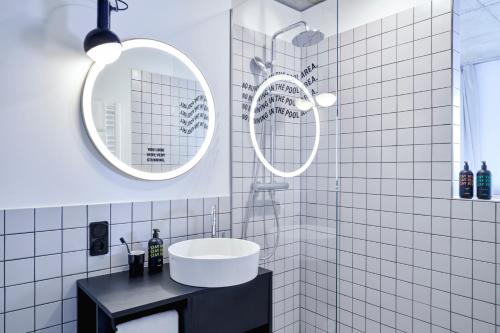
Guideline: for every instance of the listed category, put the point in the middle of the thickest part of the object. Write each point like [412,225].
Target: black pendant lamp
[101,44]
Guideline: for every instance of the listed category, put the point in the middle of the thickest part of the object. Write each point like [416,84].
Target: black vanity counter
[108,300]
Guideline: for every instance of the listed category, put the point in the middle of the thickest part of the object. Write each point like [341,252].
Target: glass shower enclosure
[293,219]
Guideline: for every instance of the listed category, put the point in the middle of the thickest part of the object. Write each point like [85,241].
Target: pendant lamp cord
[117,7]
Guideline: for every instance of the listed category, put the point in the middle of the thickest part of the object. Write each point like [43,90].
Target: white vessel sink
[214,262]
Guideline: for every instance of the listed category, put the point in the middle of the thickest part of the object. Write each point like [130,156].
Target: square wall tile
[121,212]
[19,246]
[47,291]
[74,239]
[48,315]
[48,242]
[141,231]
[141,211]
[440,7]
[178,208]
[20,321]
[19,220]
[224,204]
[19,296]
[48,218]
[69,285]
[74,216]
[74,262]
[195,225]
[195,207]
[119,256]
[19,271]
[423,12]
[98,213]
[69,309]
[120,230]
[484,211]
[47,267]
[178,227]
[102,262]
[161,210]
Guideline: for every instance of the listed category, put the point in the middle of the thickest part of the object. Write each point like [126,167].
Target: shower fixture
[300,5]
[324,100]
[101,44]
[303,104]
[306,38]
[260,67]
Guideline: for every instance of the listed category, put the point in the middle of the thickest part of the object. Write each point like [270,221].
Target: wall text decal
[279,98]
[155,154]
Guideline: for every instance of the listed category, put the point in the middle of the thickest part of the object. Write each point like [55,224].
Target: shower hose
[251,205]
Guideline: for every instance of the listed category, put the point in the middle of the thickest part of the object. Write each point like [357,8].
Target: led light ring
[253,137]
[88,118]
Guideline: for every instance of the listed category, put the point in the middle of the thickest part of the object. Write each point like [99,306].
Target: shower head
[308,38]
[258,66]
[300,5]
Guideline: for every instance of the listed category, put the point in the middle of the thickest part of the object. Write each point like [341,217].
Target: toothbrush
[125,243]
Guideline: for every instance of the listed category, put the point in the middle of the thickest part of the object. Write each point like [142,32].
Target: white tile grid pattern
[318,201]
[411,258]
[285,265]
[160,122]
[44,251]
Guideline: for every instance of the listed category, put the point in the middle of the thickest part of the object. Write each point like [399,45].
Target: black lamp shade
[98,37]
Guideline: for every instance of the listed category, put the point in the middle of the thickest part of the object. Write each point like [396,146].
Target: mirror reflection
[149,110]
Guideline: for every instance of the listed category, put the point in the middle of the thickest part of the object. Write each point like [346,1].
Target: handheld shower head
[258,66]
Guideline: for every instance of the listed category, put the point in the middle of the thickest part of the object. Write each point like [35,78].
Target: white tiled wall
[318,200]
[44,251]
[411,258]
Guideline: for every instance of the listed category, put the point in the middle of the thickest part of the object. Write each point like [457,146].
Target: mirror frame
[88,118]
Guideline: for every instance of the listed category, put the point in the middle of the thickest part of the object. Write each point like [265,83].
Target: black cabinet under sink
[108,300]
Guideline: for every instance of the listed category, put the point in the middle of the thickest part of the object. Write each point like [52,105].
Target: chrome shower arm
[282,31]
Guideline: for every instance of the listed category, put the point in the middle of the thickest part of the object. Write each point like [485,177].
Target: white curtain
[471,120]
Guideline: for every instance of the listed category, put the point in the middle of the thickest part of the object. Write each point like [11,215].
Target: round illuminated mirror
[150,113]
[284,125]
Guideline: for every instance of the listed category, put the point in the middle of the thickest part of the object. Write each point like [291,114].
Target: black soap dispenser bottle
[155,252]
[483,183]
[466,182]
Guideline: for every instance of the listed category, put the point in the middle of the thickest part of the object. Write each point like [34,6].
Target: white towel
[164,322]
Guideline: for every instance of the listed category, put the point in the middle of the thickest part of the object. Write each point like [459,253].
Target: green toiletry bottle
[483,180]
[155,253]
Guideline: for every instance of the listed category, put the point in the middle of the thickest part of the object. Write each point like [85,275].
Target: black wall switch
[98,238]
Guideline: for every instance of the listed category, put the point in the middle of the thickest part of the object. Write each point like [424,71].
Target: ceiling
[479,30]
[268,16]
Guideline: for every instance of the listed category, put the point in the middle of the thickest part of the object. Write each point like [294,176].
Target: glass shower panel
[293,219]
